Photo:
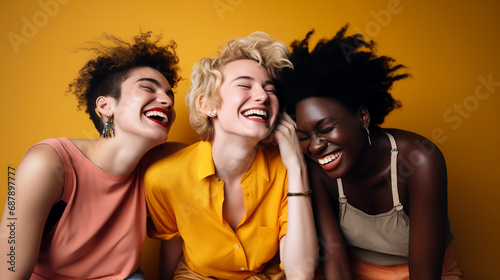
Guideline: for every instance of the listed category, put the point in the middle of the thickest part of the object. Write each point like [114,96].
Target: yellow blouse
[185,198]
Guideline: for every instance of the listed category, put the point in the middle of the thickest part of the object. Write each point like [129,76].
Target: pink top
[101,232]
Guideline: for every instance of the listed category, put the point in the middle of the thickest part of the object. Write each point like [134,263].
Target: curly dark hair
[344,68]
[104,75]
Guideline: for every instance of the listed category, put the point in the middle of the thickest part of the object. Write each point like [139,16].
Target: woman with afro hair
[80,205]
[379,195]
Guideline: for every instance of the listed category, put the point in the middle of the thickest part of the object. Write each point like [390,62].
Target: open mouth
[158,115]
[329,162]
[256,114]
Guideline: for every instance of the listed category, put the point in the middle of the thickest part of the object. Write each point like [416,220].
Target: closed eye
[328,129]
[244,86]
[148,84]
[147,88]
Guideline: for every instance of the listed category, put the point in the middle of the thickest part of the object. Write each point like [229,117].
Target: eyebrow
[149,80]
[156,83]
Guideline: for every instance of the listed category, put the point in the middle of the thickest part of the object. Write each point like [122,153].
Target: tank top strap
[342,198]
[394,173]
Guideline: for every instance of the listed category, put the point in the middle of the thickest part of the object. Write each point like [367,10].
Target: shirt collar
[204,160]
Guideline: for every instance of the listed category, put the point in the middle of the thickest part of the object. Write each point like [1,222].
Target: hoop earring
[213,113]
[98,113]
[369,139]
[109,130]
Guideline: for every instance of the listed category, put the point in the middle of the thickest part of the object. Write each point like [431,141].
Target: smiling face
[249,106]
[330,134]
[145,107]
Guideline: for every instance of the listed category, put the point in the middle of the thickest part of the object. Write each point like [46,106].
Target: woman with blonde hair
[225,206]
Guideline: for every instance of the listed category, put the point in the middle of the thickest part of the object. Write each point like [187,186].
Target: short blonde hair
[206,75]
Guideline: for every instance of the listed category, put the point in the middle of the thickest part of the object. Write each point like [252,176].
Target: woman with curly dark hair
[380,195]
[80,206]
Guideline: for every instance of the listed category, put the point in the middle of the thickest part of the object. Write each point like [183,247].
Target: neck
[372,157]
[232,158]
[115,155]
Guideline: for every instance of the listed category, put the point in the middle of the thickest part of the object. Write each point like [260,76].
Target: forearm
[426,259]
[425,270]
[300,246]
[170,253]
[335,264]
[428,225]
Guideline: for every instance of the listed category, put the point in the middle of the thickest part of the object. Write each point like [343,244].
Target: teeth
[329,158]
[254,113]
[162,115]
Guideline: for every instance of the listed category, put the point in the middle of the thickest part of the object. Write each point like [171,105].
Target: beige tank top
[381,239]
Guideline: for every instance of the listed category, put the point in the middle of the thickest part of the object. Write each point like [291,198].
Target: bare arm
[170,253]
[333,253]
[427,196]
[39,183]
[299,247]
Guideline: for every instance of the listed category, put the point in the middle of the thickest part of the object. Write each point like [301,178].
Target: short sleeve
[161,222]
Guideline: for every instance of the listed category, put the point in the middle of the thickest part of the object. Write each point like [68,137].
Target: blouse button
[242,268]
[238,246]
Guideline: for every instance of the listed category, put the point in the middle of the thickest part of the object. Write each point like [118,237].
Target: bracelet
[307,193]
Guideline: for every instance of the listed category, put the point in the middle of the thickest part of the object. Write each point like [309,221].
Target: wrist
[305,193]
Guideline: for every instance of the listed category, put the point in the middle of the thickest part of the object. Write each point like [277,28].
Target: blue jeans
[137,275]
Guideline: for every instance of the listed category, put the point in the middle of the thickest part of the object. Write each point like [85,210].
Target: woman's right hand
[285,135]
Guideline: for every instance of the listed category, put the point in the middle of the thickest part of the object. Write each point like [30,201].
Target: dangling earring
[369,139]
[108,130]
[213,113]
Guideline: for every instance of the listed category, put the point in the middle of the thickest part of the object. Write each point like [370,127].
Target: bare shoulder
[423,163]
[40,156]
[415,147]
[41,173]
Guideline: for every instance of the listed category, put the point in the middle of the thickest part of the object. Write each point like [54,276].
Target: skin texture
[39,178]
[325,126]
[246,85]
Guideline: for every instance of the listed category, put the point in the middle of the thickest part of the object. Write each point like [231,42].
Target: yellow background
[447,45]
